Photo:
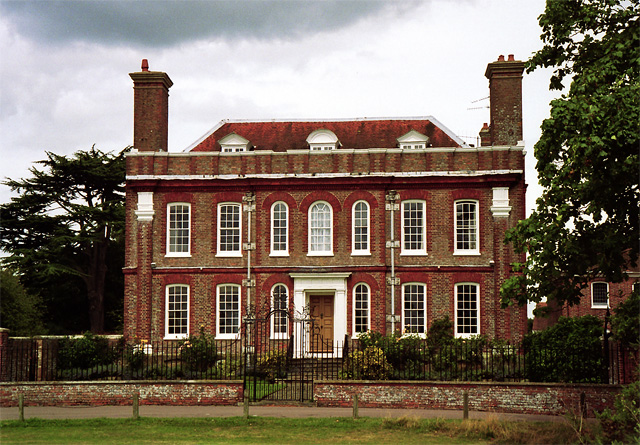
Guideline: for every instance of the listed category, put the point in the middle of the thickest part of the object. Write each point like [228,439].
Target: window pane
[320,227]
[467,309]
[600,294]
[413,223]
[280,320]
[361,227]
[228,309]
[229,228]
[414,308]
[361,308]
[179,228]
[177,314]
[466,226]
[279,227]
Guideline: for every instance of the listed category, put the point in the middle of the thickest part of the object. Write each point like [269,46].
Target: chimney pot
[145,65]
[500,58]
[511,59]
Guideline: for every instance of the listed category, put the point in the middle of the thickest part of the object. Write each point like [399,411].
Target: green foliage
[199,352]
[622,425]
[585,224]
[273,364]
[369,364]
[85,352]
[64,233]
[569,351]
[400,350]
[20,312]
[625,322]
[440,332]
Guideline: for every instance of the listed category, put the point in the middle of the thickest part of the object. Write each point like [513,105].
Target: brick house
[598,297]
[369,224]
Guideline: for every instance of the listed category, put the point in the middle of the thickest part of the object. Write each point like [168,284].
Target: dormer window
[323,140]
[234,143]
[413,140]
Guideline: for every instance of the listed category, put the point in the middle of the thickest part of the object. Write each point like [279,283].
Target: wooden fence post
[355,406]
[21,407]
[465,405]
[136,405]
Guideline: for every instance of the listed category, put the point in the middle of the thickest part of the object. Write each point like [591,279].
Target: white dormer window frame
[234,143]
[413,140]
[323,140]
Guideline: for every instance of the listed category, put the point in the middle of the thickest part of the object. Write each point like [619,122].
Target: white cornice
[463,174]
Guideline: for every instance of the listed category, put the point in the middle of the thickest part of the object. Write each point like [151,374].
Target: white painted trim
[455,310]
[168,231]
[230,336]
[461,174]
[168,336]
[457,251]
[284,252]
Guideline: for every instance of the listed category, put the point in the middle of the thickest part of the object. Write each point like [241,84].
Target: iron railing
[273,361]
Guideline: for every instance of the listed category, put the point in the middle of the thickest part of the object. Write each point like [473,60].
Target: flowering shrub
[370,364]
[199,352]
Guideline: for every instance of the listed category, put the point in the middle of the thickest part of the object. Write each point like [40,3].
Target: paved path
[86,412]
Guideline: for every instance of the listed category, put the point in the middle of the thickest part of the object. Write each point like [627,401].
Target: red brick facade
[444,178]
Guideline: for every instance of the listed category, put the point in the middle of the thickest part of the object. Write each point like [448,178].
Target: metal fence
[276,363]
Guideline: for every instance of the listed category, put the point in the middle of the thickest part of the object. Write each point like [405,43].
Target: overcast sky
[64,82]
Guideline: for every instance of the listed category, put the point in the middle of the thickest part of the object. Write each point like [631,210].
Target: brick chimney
[505,97]
[150,109]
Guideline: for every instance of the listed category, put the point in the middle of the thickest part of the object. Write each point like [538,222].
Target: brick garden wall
[523,398]
[121,393]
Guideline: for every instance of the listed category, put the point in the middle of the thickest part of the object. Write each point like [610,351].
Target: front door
[321,307]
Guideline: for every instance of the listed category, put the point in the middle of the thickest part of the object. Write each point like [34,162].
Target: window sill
[227,336]
[229,255]
[320,254]
[600,306]
[176,337]
[178,255]
[279,254]
[280,337]
[466,253]
[413,253]
[361,253]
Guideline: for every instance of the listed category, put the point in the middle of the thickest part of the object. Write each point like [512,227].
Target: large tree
[585,224]
[60,228]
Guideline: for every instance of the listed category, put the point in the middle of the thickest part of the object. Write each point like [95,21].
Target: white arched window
[414,228]
[320,229]
[227,311]
[279,306]
[279,229]
[361,308]
[360,228]
[229,229]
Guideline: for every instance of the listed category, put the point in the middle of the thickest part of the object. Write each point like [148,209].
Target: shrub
[199,352]
[370,364]
[86,352]
[569,351]
[622,425]
[273,364]
[401,352]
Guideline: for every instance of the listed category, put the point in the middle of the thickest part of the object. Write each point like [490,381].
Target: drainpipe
[249,206]
[392,206]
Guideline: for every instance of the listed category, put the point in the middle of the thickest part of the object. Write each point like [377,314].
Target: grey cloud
[169,23]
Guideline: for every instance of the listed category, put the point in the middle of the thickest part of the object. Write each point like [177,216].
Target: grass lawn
[263,430]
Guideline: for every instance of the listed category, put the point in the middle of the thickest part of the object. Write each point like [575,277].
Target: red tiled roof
[359,134]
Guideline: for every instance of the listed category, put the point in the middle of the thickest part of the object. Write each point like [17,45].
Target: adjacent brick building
[381,224]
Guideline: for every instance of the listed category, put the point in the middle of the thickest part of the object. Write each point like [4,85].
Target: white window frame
[312,251]
[170,246]
[228,335]
[167,312]
[229,253]
[404,250]
[422,313]
[458,308]
[280,252]
[356,308]
[279,335]
[475,229]
[599,305]
[367,227]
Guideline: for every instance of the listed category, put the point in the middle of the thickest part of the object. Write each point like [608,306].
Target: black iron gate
[283,355]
